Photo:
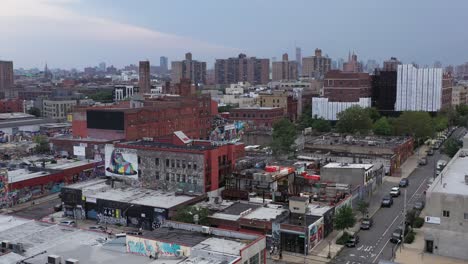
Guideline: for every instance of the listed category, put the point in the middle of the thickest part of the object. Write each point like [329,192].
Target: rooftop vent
[54,259]
[72,261]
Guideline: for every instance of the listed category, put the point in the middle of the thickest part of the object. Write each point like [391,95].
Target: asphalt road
[375,243]
[38,211]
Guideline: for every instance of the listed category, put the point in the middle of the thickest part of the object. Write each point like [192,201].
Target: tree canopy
[354,120]
[418,124]
[382,127]
[34,111]
[284,135]
[42,144]
[344,218]
[102,96]
[186,215]
[451,147]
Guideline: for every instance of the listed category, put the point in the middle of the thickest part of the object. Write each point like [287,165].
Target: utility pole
[404,222]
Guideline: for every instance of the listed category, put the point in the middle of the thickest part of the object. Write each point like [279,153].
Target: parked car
[366,223]
[395,191]
[387,201]
[397,235]
[430,152]
[68,223]
[58,207]
[352,241]
[98,228]
[404,182]
[419,205]
[422,161]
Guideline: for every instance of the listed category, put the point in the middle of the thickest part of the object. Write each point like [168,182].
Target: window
[183,164]
[178,177]
[194,166]
[167,162]
[167,176]
[139,160]
[255,259]
[172,177]
[189,165]
[156,161]
[446,213]
[465,215]
[178,163]
[157,175]
[172,163]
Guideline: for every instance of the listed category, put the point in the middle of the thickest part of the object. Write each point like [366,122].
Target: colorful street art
[228,133]
[120,162]
[156,249]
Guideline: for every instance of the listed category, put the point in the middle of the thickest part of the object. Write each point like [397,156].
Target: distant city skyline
[79,33]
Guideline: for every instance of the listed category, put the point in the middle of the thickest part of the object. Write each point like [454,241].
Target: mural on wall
[228,133]
[121,162]
[157,249]
[315,233]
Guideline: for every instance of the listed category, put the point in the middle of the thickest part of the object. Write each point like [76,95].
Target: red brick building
[447,84]
[257,118]
[347,86]
[184,88]
[158,117]
[11,105]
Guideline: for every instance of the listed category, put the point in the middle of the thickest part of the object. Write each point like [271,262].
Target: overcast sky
[79,33]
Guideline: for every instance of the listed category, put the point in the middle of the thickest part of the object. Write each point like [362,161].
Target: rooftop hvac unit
[71,261]
[206,230]
[5,244]
[54,259]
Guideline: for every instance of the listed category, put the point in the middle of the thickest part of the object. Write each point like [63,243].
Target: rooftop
[152,144]
[452,178]
[98,189]
[337,165]
[268,213]
[9,116]
[6,123]
[176,236]
[358,141]
[236,211]
[255,108]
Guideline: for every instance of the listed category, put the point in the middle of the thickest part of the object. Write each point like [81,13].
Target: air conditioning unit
[72,261]
[206,230]
[5,244]
[54,259]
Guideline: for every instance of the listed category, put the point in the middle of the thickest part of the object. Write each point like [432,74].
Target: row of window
[176,177]
[175,163]
[252,115]
[446,213]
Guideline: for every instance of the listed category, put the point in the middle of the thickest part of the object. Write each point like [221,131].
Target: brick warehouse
[156,118]
[175,163]
[257,118]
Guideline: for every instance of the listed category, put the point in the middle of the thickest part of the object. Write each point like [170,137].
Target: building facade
[285,69]
[391,64]
[346,86]
[57,109]
[324,108]
[422,89]
[12,105]
[242,69]
[282,99]
[257,118]
[352,65]
[144,80]
[315,66]
[123,92]
[188,69]
[6,78]
[384,89]
[459,95]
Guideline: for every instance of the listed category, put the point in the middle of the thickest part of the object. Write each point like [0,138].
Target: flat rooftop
[338,165]
[152,144]
[452,178]
[268,213]
[177,236]
[98,189]
[16,115]
[67,242]
[358,141]
[236,211]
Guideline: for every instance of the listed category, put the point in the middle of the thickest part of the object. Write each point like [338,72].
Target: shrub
[418,222]
[343,239]
[410,237]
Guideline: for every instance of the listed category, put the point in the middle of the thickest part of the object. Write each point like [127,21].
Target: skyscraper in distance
[6,78]
[144,81]
[285,69]
[188,69]
[163,64]
[299,59]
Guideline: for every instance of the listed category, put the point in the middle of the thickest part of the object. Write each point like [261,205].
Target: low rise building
[257,118]
[446,211]
[324,108]
[283,99]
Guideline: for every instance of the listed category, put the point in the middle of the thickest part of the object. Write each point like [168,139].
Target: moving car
[395,191]
[387,201]
[404,182]
[422,161]
[68,223]
[419,205]
[352,241]
[430,152]
[366,223]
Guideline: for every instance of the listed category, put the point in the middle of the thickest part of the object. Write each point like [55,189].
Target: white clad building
[418,89]
[321,107]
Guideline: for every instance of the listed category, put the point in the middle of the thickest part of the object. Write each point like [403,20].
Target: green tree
[344,218]
[284,135]
[34,111]
[417,124]
[362,207]
[373,113]
[321,125]
[451,147]
[382,127]
[440,122]
[42,145]
[102,96]
[304,121]
[225,108]
[186,214]
[354,120]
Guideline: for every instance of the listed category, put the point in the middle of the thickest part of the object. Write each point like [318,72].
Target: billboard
[121,162]
[79,151]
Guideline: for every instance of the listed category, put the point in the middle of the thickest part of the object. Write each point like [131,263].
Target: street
[375,243]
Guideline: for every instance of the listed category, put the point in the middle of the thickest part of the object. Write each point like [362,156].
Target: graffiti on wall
[103,219]
[121,162]
[156,249]
[315,233]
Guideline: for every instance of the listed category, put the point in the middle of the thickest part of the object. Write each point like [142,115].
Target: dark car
[352,241]
[387,201]
[135,233]
[430,152]
[366,223]
[419,205]
[404,182]
[397,234]
[58,207]
[98,228]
